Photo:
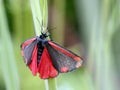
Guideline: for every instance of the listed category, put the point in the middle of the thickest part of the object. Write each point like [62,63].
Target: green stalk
[52,84]
[40,18]
[7,58]
[40,15]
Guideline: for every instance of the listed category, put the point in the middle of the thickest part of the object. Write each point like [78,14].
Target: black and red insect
[47,58]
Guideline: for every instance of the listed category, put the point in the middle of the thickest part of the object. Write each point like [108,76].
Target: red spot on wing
[64,51]
[33,64]
[46,68]
[78,64]
[22,53]
[64,69]
[77,58]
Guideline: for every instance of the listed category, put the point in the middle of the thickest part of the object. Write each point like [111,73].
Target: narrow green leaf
[98,30]
[40,18]
[7,58]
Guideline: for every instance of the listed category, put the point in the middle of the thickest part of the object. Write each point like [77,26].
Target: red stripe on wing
[27,42]
[33,64]
[66,52]
[27,48]
[46,68]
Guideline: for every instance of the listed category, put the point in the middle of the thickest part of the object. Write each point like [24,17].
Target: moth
[47,58]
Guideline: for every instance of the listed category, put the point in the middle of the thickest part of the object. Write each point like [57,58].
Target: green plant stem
[52,84]
[39,13]
[40,18]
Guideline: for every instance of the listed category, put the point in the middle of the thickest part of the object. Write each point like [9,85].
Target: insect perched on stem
[47,58]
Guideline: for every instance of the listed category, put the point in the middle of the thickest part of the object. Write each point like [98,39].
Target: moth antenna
[51,28]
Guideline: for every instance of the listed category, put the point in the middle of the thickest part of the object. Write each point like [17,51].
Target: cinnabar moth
[48,58]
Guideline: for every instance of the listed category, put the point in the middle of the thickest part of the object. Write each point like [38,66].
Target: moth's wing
[63,59]
[27,49]
[33,64]
[46,68]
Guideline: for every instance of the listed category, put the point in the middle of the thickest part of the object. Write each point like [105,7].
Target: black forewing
[61,60]
[28,50]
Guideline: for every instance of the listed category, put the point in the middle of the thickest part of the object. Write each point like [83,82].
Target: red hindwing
[46,68]
[33,65]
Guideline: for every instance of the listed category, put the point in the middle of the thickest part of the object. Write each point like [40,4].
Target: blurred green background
[90,28]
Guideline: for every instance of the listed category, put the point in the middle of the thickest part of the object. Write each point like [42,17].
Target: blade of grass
[7,58]
[100,24]
[39,12]
[40,18]
[37,15]
[14,9]
[52,84]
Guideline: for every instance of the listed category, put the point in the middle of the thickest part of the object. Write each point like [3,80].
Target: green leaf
[40,18]
[7,58]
